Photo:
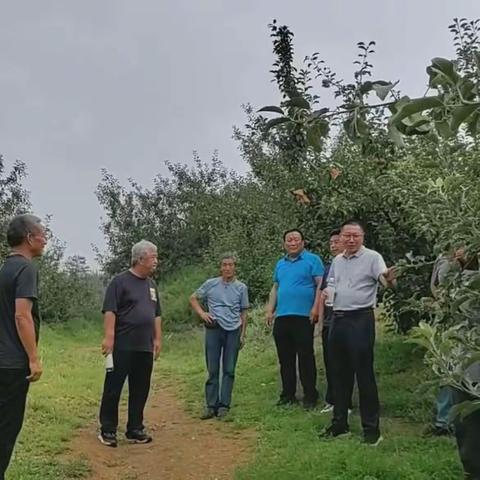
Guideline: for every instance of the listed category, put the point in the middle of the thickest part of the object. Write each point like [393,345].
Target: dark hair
[302,236]
[352,222]
[20,227]
[334,232]
[228,256]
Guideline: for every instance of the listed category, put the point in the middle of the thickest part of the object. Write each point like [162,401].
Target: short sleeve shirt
[225,301]
[18,279]
[297,283]
[355,279]
[135,303]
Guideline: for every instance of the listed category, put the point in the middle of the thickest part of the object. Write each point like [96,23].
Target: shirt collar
[357,254]
[298,257]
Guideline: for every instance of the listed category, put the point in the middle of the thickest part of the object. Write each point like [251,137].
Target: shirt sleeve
[27,283]
[244,302]
[331,275]
[275,274]
[317,267]
[378,266]
[202,292]
[110,302]
[443,270]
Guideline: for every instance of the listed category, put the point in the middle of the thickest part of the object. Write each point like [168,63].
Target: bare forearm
[321,309]
[318,299]
[196,305]
[388,283]
[109,325]
[272,300]
[244,318]
[158,329]
[26,333]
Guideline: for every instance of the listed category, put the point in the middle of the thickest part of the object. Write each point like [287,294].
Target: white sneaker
[327,408]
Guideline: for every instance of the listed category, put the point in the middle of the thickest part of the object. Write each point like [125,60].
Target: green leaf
[443,129]
[316,133]
[467,88]
[474,281]
[382,88]
[460,115]
[272,109]
[442,70]
[473,124]
[298,102]
[395,136]
[366,87]
[361,126]
[348,125]
[276,121]
[476,56]
[465,408]
[416,105]
[319,113]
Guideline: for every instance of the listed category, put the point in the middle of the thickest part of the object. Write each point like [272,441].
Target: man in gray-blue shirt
[225,322]
[354,276]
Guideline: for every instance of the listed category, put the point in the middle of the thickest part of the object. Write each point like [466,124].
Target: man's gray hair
[228,256]
[140,249]
[20,227]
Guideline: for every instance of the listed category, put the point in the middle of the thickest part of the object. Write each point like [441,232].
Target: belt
[348,313]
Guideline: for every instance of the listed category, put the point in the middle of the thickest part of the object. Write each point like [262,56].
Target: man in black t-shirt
[133,332]
[19,327]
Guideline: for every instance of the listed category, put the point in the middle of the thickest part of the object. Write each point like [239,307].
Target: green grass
[287,446]
[64,399]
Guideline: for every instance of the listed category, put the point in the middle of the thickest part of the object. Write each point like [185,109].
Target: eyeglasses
[354,236]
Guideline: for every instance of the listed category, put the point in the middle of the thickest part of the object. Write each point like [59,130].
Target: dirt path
[184,448]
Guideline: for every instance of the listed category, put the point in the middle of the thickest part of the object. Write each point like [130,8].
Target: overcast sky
[126,85]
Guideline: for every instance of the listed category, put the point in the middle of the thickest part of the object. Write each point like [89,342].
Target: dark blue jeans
[444,403]
[221,347]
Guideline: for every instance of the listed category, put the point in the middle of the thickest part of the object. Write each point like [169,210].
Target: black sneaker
[138,436]
[284,401]
[108,439]
[372,439]
[208,413]
[334,432]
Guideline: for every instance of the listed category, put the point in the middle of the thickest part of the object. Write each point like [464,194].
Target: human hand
[35,370]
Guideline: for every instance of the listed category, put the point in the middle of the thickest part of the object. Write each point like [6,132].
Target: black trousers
[13,395]
[352,340]
[137,366]
[467,433]
[328,363]
[294,338]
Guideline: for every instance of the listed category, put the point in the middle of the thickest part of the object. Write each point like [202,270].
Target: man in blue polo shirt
[293,302]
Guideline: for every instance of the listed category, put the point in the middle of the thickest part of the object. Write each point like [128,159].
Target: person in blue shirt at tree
[293,309]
